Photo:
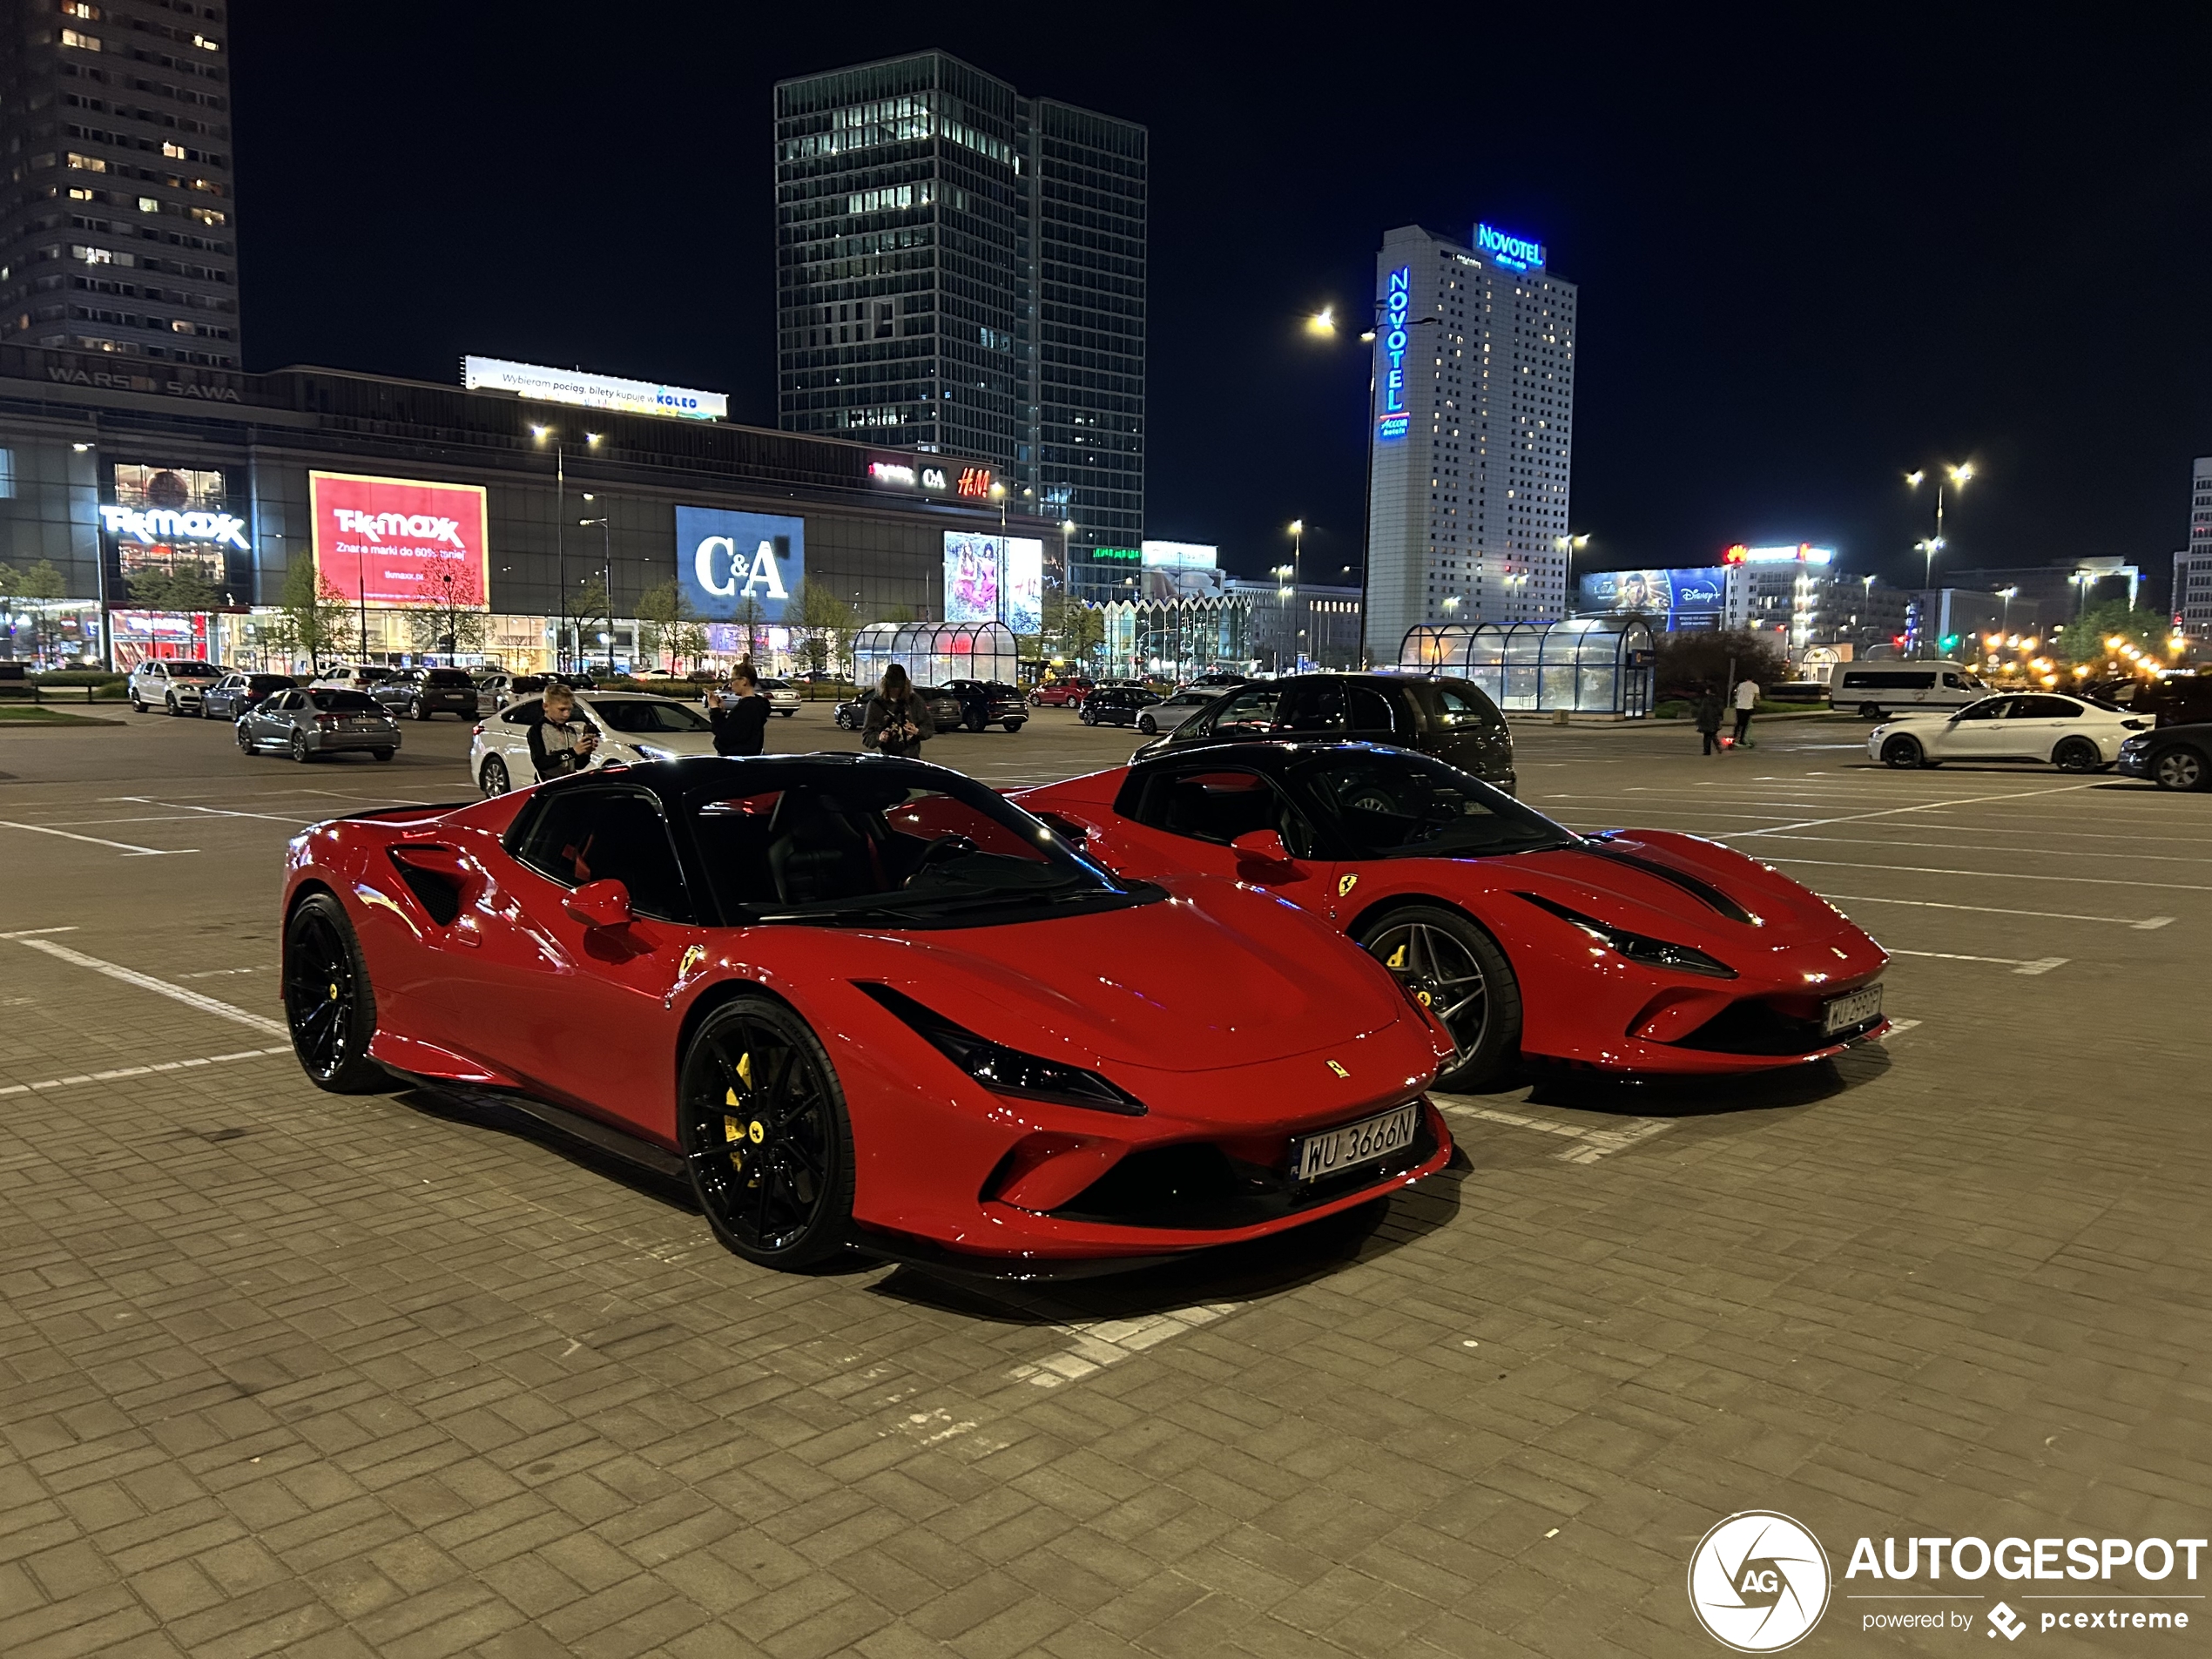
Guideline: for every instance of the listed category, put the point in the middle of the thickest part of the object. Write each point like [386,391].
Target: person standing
[1705,709]
[559,744]
[1747,698]
[897,723]
[740,716]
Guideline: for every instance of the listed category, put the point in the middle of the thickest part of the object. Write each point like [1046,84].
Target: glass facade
[933,652]
[961,268]
[1595,666]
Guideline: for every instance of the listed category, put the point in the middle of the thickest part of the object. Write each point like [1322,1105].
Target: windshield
[345,703]
[196,670]
[1390,803]
[871,846]
[645,716]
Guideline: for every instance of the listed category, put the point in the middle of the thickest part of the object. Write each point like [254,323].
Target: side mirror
[599,904]
[1261,846]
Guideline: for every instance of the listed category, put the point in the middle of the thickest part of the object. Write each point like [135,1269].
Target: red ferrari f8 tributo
[860,1001]
[1633,951]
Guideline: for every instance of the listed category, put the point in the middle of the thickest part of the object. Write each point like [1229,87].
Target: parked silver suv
[174,684]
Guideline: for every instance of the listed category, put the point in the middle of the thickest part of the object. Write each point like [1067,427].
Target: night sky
[1810,257]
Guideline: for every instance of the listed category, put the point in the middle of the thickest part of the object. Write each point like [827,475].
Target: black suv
[990,702]
[1452,719]
[425,692]
[1116,704]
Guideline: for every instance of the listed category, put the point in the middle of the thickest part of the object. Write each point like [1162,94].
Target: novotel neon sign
[1515,252]
[1392,419]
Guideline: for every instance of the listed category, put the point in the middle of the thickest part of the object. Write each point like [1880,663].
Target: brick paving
[287,1373]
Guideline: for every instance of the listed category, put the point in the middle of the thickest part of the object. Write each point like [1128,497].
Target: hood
[1686,889]
[1213,977]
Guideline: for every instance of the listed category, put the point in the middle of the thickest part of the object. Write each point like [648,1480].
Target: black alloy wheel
[327,1001]
[493,778]
[1147,724]
[300,748]
[2077,754]
[1902,752]
[1456,971]
[2181,767]
[762,1125]
[244,739]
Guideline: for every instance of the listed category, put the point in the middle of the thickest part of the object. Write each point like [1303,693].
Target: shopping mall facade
[412,498]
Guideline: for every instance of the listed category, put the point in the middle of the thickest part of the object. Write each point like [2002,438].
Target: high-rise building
[2192,601]
[118,224]
[1471,435]
[963,268]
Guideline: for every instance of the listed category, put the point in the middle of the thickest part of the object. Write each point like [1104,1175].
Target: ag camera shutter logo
[1758,1581]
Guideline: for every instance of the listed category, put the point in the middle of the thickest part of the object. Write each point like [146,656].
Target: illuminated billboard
[397,541]
[724,558]
[991,578]
[1694,594]
[545,385]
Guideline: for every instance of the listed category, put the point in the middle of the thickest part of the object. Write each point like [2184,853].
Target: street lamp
[1323,323]
[1569,545]
[606,581]
[1955,478]
[539,434]
[2006,594]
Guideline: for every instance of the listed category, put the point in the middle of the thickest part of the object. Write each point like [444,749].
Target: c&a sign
[725,558]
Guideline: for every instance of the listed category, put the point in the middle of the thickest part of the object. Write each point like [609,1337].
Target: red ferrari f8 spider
[864,1002]
[1635,951]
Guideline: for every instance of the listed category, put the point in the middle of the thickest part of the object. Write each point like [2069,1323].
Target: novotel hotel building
[168,504]
[1471,435]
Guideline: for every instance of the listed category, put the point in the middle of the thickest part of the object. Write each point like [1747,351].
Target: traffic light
[1949,642]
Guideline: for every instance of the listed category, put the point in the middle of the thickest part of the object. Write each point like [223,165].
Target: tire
[328,1004]
[2077,754]
[786,714]
[382,754]
[299,750]
[492,778]
[1013,726]
[2181,767]
[971,723]
[169,703]
[762,1125]
[1902,752]
[1456,971]
[137,707]
[1148,726]
[244,743]
[202,710]
[421,710]
[1870,710]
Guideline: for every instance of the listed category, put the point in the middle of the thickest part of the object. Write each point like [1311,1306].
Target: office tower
[1471,435]
[118,224]
[961,267]
[2192,597]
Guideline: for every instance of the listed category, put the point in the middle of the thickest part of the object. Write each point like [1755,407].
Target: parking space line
[2144,926]
[1993,875]
[1960,846]
[1924,806]
[212,811]
[129,850]
[33,933]
[160,987]
[1591,1142]
[2042,965]
[121,1072]
[1100,1343]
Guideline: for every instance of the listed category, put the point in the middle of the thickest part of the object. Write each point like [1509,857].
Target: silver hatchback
[307,724]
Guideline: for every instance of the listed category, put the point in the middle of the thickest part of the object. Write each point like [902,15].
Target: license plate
[1853,1008]
[1334,1150]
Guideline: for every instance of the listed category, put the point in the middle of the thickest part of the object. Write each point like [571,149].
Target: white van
[1878,688]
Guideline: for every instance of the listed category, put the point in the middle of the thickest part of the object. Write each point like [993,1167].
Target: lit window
[79,8]
[174,151]
[204,44]
[79,39]
[206,215]
[149,205]
[87,164]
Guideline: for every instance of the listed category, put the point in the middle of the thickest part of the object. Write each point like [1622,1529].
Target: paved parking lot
[285,1372]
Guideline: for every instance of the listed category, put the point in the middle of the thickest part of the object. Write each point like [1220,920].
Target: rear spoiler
[427,808]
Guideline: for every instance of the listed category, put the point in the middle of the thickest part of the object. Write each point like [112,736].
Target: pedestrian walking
[1705,709]
[1747,698]
[896,722]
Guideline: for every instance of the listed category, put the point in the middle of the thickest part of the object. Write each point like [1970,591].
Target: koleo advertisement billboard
[398,542]
[994,578]
[724,558]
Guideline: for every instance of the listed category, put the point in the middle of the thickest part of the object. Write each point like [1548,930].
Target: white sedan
[2068,733]
[632,726]
[1170,713]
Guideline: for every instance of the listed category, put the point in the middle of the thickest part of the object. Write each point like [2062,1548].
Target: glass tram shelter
[933,652]
[1597,665]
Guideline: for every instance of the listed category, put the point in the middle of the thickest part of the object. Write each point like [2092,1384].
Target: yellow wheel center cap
[758,1130]
[333,991]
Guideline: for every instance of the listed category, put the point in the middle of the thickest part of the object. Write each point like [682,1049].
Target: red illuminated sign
[974,481]
[394,542]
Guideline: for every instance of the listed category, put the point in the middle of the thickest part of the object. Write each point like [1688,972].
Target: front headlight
[653,751]
[1638,947]
[1003,1070]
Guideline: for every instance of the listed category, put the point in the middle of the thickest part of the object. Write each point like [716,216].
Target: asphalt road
[282,1372]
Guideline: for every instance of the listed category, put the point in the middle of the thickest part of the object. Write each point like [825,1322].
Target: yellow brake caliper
[737,1133]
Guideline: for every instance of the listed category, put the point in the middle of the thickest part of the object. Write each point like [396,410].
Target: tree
[1691,659]
[1078,630]
[666,623]
[40,581]
[2083,639]
[174,589]
[451,623]
[313,619]
[826,621]
[748,616]
[587,609]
